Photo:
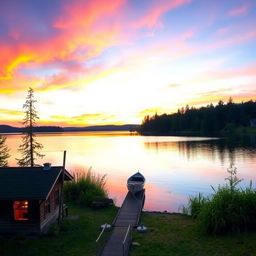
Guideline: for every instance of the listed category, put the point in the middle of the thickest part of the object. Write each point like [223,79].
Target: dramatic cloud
[122,59]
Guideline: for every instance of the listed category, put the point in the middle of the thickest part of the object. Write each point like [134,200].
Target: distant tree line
[205,120]
[39,129]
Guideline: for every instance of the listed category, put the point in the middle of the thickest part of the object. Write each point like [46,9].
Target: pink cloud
[243,9]
[223,31]
[248,71]
[77,37]
[84,30]
[227,38]
[86,13]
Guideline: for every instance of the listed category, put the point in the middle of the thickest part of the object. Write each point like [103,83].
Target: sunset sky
[115,61]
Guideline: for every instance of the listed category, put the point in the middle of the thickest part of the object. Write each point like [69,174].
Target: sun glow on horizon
[124,60]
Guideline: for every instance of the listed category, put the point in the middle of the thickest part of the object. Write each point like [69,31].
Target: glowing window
[20,209]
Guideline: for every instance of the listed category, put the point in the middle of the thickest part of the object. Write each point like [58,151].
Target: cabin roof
[34,183]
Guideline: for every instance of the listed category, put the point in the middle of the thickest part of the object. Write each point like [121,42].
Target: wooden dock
[127,218]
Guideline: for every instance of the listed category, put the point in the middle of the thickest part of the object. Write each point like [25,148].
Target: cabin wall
[41,214]
[9,225]
[49,209]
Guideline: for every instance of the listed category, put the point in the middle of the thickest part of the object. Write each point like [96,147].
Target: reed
[229,210]
[85,188]
[195,205]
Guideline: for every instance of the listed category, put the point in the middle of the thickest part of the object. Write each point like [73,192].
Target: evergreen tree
[209,120]
[30,147]
[4,155]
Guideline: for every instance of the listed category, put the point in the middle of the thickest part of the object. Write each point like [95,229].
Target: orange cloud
[77,38]
[83,33]
[84,30]
[150,111]
[84,119]
[10,116]
[91,43]
[18,83]
[11,67]
[10,112]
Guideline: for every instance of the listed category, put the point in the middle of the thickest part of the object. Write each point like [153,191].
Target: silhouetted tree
[4,155]
[206,120]
[29,148]
[230,100]
[220,103]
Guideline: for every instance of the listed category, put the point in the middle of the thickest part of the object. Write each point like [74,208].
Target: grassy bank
[221,224]
[76,236]
[178,235]
[250,130]
[85,188]
[229,209]
[168,235]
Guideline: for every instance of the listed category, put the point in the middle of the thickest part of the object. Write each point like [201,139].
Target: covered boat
[136,183]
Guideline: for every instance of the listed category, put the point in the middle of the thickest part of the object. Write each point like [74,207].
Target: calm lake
[175,167]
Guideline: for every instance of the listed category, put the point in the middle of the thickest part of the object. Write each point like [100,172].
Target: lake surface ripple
[175,167]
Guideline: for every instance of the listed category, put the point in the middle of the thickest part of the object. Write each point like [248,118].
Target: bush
[85,188]
[195,204]
[228,210]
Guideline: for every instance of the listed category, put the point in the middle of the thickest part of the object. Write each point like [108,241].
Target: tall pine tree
[30,148]
[4,155]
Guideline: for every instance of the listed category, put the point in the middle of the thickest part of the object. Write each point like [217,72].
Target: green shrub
[85,188]
[228,210]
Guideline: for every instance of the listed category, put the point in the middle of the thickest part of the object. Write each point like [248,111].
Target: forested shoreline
[223,118]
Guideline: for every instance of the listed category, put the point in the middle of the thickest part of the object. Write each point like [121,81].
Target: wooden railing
[127,241]
[102,231]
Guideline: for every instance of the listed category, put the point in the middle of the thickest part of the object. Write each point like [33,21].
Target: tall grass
[230,209]
[85,188]
[195,204]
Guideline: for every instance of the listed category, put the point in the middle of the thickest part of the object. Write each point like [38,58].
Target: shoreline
[157,213]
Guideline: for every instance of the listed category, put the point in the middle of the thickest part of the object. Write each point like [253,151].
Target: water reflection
[210,148]
[175,167]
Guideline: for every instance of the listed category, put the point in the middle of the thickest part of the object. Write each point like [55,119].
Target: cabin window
[47,206]
[20,209]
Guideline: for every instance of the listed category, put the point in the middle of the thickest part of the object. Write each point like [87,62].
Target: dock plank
[128,214]
[114,246]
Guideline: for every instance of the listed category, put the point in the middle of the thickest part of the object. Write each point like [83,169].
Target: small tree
[4,155]
[29,148]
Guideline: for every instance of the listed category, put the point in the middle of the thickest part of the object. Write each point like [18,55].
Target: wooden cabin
[30,198]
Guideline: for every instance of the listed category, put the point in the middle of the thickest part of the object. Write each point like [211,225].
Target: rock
[142,229]
[102,203]
[106,226]
[73,217]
